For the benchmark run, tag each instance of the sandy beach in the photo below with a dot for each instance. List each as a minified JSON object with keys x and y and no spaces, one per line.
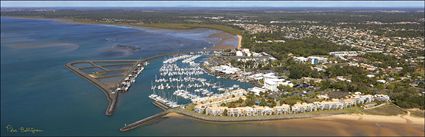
{"x":239,"y":41}
{"x":173,"y":115}
{"x":335,"y":125}
{"x":400,"y":119}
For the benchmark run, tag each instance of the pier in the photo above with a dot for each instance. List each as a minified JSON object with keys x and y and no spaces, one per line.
{"x":143,"y":121}
{"x":148,"y":119}
{"x":160,"y":105}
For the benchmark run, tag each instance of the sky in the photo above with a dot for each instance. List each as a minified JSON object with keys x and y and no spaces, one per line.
{"x":366,"y":4}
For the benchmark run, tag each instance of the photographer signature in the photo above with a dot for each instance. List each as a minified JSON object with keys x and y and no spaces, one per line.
{"x":21,"y":129}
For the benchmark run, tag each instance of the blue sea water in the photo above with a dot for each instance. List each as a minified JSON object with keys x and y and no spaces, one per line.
{"x":38,"y":91}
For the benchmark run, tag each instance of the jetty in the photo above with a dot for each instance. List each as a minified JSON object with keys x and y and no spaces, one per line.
{"x":143,"y":121}
{"x":161,"y":105}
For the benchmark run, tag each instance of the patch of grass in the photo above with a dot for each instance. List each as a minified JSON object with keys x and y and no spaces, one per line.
{"x":97,"y":74}
{"x":349,"y":110}
{"x":190,"y":107}
{"x":388,"y":109}
{"x":355,"y":109}
{"x":417,"y":113}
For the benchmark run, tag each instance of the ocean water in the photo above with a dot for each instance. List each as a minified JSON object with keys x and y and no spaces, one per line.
{"x":37,"y":91}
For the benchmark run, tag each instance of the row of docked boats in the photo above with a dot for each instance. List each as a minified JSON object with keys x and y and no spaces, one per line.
{"x":174,"y":70}
{"x":185,"y":94}
{"x":175,"y":59}
{"x":192,"y":59}
{"x":168,"y":81}
{"x":192,"y":95}
{"x":130,"y":78}
{"x":162,"y":86}
{"x":165,"y":101}
{"x":182,"y":80}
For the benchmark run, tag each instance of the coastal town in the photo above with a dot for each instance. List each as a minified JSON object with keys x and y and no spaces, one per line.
{"x":235,"y":101}
{"x":356,"y":67}
{"x":275,"y":64}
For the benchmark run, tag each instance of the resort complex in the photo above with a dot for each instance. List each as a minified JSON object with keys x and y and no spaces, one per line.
{"x":211,"y":105}
{"x":181,"y":87}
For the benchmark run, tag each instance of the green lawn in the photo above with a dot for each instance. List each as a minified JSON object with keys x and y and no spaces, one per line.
{"x":417,"y":113}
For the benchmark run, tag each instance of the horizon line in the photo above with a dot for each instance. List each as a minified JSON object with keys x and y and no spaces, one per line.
{"x":216,"y":4}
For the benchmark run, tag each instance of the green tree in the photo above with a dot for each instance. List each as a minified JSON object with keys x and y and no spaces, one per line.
{"x":263,"y":102}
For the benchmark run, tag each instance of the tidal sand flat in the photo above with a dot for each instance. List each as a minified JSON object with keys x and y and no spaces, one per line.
{"x":224,"y":40}
{"x":119,"y":50}
{"x":323,"y":126}
{"x":398,"y":119}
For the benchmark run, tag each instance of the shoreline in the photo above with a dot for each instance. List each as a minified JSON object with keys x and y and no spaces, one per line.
{"x":159,"y":26}
{"x":398,"y":119}
{"x":170,"y":26}
{"x":166,"y":26}
{"x":322,"y":116}
{"x":322,"y":126}
{"x":181,"y":113}
{"x":239,"y":41}
{"x":353,"y":113}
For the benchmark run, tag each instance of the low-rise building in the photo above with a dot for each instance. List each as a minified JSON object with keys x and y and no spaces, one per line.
{"x":226,"y":69}
{"x":311,"y":59}
{"x":239,"y":53}
{"x":271,"y":82}
{"x":211,"y":108}
{"x":257,"y":90}
{"x":344,"y":53}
